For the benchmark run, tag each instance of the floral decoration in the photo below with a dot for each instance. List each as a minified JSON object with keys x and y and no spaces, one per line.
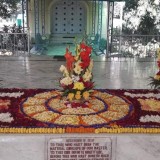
{"x":150,"y":104}
{"x":15,"y":94}
{"x":6,"y":117}
{"x":147,"y":95}
{"x":155,"y":81}
{"x":106,"y":111}
{"x":4,"y":104}
{"x":152,"y":118}
{"x":77,"y":78}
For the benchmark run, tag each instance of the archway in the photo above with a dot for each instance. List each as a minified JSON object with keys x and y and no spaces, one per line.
{"x":68,"y":17}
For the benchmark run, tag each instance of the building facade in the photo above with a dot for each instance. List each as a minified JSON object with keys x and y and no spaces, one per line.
{"x":68,"y":17}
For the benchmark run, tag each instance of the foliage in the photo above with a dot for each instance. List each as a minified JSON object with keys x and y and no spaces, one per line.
{"x":102,"y":44}
{"x":154,"y":83}
{"x":127,"y":30}
{"x":13,"y":39}
{"x":147,"y":24}
{"x":131,"y":5}
{"x":8,"y":7}
{"x":40,"y":44}
{"x":141,"y":17}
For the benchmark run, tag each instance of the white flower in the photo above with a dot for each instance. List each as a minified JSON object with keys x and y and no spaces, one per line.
{"x":6,"y":117}
{"x":64,"y":70}
{"x":147,"y":95}
{"x":14,"y":94}
{"x":87,"y":76}
{"x":90,"y":67}
{"x":78,"y":69}
{"x":152,"y":118}
{"x":69,"y":106}
{"x":75,"y":78}
{"x":66,"y":81}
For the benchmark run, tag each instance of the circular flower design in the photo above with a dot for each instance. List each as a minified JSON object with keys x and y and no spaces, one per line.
{"x":52,"y":108}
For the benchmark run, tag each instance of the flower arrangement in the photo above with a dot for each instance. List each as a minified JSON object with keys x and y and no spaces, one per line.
{"x":77,"y":78}
{"x":155,"y":81}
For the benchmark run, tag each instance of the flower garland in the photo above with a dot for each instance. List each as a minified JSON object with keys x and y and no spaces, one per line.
{"x":77,"y":75}
{"x":79,"y":130}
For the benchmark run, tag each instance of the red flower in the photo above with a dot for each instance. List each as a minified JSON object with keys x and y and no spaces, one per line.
{"x":67,"y":87}
{"x":158,"y":73}
{"x":88,"y":84}
{"x":158,"y":62}
{"x":88,"y":49}
{"x":77,"y":104}
{"x":69,"y":59}
{"x":84,"y":55}
{"x":85,"y":63}
{"x":85,"y":59}
{"x":82,"y":45}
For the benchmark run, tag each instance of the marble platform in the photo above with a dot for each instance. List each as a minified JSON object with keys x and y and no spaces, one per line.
{"x":43,"y":72}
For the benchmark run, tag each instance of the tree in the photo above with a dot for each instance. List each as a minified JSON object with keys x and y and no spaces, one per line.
{"x":147,"y":24}
{"x":8,"y":7}
{"x":142,"y":16}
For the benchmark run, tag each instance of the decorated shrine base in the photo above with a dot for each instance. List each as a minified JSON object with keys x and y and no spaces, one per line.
{"x":107,"y":111}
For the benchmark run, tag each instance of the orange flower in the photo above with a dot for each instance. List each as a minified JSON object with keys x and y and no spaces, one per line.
{"x":69,"y":59}
{"x":86,"y":95}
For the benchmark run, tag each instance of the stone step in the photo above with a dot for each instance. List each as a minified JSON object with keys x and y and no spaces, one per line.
{"x":62,"y":40}
{"x":65,"y":38}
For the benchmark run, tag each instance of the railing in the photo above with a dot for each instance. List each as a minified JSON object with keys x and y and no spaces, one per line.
{"x":134,"y":45}
{"x":14,"y":44}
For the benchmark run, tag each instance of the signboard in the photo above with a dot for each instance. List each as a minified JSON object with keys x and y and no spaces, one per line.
{"x":79,"y":148}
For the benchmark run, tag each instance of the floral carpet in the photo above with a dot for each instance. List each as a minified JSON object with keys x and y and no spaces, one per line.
{"x":107,"y":111}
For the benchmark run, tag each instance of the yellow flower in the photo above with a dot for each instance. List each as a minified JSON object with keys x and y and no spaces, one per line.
{"x":78,"y":85}
{"x":70,"y":96}
{"x":157,"y":77}
{"x":85,"y":95}
{"x":78,"y":95}
{"x":78,"y":92}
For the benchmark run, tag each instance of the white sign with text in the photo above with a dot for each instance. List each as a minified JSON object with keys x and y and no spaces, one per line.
{"x":80,"y":148}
